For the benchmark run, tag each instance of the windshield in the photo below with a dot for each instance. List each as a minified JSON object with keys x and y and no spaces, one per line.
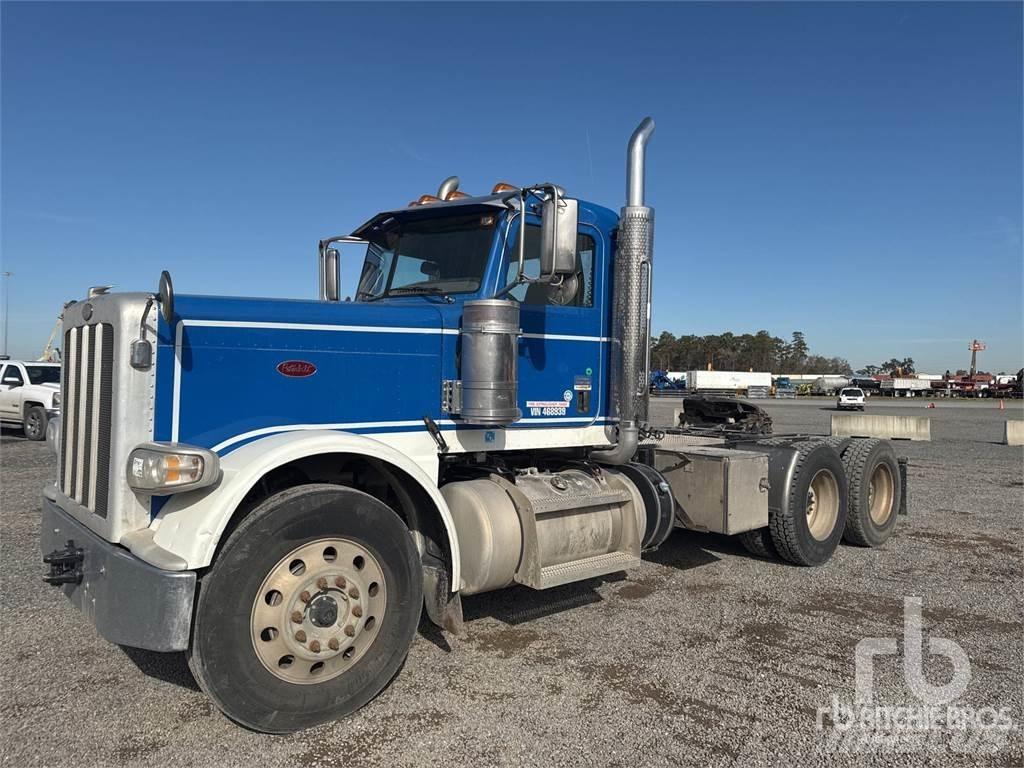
{"x":440,"y":255}
{"x":43,"y":374}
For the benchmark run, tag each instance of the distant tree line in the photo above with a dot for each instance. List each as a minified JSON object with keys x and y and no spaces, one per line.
{"x":891,"y":367}
{"x":728,"y":352}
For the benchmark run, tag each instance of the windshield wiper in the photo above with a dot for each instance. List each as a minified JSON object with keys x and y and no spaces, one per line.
{"x":412,"y":290}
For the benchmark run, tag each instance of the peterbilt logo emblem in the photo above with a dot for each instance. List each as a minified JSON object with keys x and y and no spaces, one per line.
{"x":297,"y":369}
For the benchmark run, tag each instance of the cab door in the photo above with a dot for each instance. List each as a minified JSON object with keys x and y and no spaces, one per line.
{"x":563,"y":350}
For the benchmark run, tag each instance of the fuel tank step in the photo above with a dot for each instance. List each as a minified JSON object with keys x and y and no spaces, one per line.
{"x":587,"y":568}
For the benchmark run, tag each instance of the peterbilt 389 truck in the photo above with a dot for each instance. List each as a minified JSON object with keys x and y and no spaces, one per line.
{"x":281,"y":488}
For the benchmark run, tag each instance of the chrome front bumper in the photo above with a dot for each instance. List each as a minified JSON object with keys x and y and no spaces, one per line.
{"x":130,"y":602}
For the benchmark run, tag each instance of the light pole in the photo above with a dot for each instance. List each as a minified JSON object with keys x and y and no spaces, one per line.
{"x":7,"y":312}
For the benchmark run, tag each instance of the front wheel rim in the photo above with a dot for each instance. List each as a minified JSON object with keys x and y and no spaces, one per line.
{"x":32,"y":424}
{"x":318,"y":611}
{"x":822,"y":504}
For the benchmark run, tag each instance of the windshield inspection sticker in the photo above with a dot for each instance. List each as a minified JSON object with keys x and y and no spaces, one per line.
{"x":547,"y":407}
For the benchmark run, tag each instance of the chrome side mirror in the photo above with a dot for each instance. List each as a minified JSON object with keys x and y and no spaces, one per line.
{"x":332,"y":275}
{"x":559,"y":222}
{"x":330,"y":265}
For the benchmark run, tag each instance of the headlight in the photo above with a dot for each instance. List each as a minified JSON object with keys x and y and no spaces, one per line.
{"x":53,"y":435}
{"x":162,"y":468}
{"x":56,"y":400}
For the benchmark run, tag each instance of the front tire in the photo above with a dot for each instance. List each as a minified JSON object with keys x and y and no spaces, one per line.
{"x":810,"y":527}
{"x":35,"y":423}
{"x":309,"y":609}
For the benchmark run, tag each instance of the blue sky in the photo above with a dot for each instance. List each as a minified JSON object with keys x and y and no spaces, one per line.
{"x":851,"y":170}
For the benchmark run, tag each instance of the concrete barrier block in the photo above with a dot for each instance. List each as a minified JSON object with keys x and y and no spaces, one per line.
{"x":892,"y":427}
{"x":1014,"y":432}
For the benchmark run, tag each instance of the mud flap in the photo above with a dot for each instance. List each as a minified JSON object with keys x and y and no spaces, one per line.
{"x":444,"y":608}
{"x":904,"y":493}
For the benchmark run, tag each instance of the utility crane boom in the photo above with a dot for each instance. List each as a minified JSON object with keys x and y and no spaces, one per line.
{"x":50,"y":353}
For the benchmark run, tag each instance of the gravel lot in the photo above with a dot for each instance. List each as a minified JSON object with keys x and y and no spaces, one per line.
{"x":701,"y":656}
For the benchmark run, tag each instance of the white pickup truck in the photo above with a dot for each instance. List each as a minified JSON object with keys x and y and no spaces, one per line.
{"x":29,"y":395}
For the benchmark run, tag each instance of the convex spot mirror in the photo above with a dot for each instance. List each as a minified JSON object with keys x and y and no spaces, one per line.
{"x":559,"y":221}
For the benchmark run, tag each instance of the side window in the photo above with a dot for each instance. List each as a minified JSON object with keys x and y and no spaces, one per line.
{"x":12,"y":375}
{"x":376,"y":268}
{"x":581,"y":293}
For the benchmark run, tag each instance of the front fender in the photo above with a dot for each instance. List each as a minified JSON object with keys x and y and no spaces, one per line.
{"x":32,"y":394}
{"x":190,"y":524}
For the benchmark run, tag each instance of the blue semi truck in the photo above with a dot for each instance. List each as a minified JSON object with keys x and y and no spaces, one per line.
{"x":280,"y":489}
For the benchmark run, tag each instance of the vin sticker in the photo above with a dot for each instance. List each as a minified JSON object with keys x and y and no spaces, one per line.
{"x":546,"y":407}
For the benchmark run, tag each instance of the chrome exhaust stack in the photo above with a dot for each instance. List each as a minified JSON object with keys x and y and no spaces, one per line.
{"x":631,"y":316}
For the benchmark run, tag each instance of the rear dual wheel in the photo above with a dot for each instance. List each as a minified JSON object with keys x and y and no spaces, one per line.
{"x":309,"y":610}
{"x":807,"y":530}
{"x":875,"y":491}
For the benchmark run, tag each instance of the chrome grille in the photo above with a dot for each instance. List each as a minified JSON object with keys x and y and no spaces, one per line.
{"x":87,"y":402}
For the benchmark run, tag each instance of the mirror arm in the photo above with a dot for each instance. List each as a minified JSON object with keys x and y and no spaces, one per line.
{"x":553,"y":277}
{"x":322,"y":248}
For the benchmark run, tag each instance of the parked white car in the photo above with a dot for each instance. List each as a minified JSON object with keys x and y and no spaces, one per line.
{"x":850,"y":397}
{"x":29,"y":395}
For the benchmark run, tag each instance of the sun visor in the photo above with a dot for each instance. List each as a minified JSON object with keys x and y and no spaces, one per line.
{"x":491,"y":203}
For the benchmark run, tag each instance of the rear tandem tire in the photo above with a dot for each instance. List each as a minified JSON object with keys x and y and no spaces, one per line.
{"x":318,"y":563}
{"x":874,"y":478}
{"x":810,"y":528}
{"x":759,"y":543}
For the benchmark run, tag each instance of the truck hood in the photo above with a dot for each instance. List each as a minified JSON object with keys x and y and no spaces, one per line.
{"x":270,"y":312}
{"x":40,"y":389}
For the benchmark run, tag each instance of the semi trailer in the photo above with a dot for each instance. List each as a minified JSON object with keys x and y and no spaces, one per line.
{"x":246,"y":480}
{"x":728,"y":382}
{"x":905,"y":387}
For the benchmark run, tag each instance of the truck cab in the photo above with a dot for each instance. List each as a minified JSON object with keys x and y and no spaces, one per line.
{"x":279,"y":488}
